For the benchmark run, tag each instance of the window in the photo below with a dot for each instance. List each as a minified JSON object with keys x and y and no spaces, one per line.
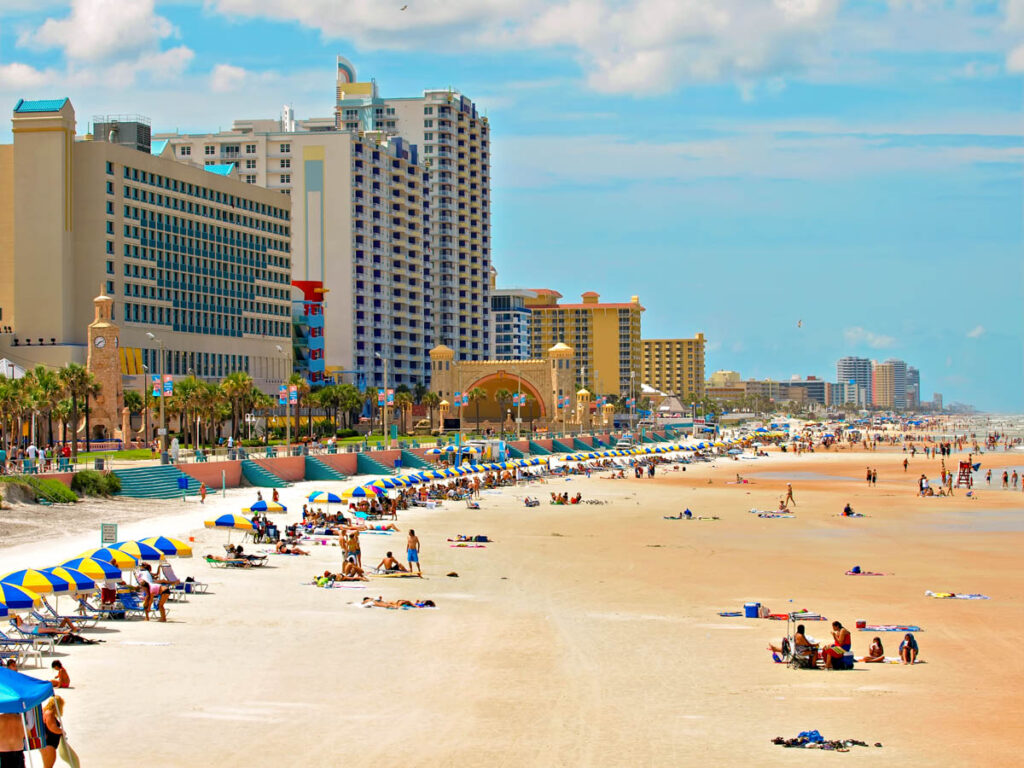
{"x":110,"y":169}
{"x":428,"y":123}
{"x":211,"y":149}
{"x":250,"y":163}
{"x":110,"y":187}
{"x":286,"y":178}
{"x":110,"y":267}
{"x":428,"y":110}
{"x":185,"y":151}
{"x":250,"y":149}
{"x":249,"y":179}
{"x":110,"y":247}
{"x":286,"y":148}
{"x":110,"y":287}
{"x":351,"y":126}
{"x":286,"y":163}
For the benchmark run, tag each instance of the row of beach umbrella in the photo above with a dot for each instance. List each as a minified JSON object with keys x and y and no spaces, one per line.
{"x":23,"y":590}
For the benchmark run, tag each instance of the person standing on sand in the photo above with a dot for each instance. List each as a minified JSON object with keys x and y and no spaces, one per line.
{"x":905,"y":464}
{"x":202,"y":493}
{"x":867,"y":475}
{"x":412,"y":551}
{"x":874,"y":477}
{"x":789,"y":495}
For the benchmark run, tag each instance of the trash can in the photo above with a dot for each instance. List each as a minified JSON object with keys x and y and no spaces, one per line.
{"x":165,"y":457}
{"x":182,"y":483}
{"x":98,"y":465}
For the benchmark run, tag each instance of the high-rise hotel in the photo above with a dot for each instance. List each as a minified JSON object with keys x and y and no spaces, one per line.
{"x":391,"y":219}
{"x":197,"y":263}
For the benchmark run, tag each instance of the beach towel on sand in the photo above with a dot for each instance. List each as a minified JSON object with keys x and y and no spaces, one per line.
{"x":955,"y":595}
{"x":730,"y":614}
{"x":864,"y":573}
{"x":890,"y":628}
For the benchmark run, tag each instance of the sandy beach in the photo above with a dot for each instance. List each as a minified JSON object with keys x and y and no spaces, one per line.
{"x":583,"y":635}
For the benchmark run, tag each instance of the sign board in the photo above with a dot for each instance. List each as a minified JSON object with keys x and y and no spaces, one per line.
{"x":699,"y":422}
{"x":282,"y":395}
{"x":108,"y":533}
{"x":168,"y":385}
{"x":162,"y":431}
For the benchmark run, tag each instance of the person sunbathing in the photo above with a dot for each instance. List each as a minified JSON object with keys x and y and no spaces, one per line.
{"x":283,"y":549}
{"x":62,"y":635}
{"x":390,"y":565}
{"x":876,"y":654}
{"x":380,"y":602}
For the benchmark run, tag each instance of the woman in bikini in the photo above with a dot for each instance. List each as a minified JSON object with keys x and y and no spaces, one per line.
{"x":876,"y":654}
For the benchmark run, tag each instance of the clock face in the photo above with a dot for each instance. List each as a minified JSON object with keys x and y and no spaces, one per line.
{"x":100,"y":342}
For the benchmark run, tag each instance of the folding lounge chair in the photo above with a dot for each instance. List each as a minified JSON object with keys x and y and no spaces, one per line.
{"x":28,"y":641}
{"x":132,"y":604}
{"x":224,"y":562}
{"x":85,"y":621}
{"x":22,"y":650}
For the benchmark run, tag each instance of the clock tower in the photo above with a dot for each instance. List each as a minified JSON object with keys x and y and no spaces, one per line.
{"x":104,"y":363}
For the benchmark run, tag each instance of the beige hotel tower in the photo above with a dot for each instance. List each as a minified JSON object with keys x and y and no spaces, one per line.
{"x":191,"y":259}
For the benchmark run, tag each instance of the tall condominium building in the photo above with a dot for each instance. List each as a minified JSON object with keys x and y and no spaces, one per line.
{"x":675,"y":366}
{"x":456,"y":150}
{"x":913,"y":387}
{"x":196,"y":262}
{"x":723,"y":378}
{"x":883,"y":385}
{"x":605,"y":338}
{"x":899,"y":383}
{"x":360,"y":236}
{"x":855,"y":369}
{"x":818,"y":390}
{"x":510,"y":320}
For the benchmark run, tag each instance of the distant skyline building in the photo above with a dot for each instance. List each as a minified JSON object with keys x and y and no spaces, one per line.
{"x":913,"y":387}
{"x":817,"y":390}
{"x":883,"y":385}
{"x":855,"y":369}
{"x":675,"y":366}
{"x":899,"y":383}
{"x":189,"y":255}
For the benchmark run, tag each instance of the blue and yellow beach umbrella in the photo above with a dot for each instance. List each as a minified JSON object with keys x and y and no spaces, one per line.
{"x":122,"y":560}
{"x":266,"y":506}
{"x":363,"y":492}
{"x":18,"y":598}
{"x":230,"y":521}
{"x":140,"y":551}
{"x":39,"y":582}
{"x":100,"y":570}
{"x":170,"y":547}
{"x":78,"y":581}
{"x":323,"y":497}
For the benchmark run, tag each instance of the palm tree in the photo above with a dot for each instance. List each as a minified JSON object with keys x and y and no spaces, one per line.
{"x":63,"y":413}
{"x":476,"y":396}
{"x":237,"y":388}
{"x":432,"y":400}
{"x":530,"y":404}
{"x":48,"y":394}
{"x":134,"y":403}
{"x":187,"y":399}
{"x":403,"y":401}
{"x":302,"y":390}
{"x":75,"y":380}
{"x":370,"y":398}
{"x":503,"y":397}
{"x":350,"y":401}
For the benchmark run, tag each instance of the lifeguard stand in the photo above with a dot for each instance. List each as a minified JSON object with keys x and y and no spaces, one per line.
{"x":965,"y":479}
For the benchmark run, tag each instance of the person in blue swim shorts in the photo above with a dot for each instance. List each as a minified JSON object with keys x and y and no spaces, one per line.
{"x":412,"y":551}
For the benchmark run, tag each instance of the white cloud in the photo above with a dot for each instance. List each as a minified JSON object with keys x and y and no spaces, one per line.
{"x":976,"y":332}
{"x":857,"y":336}
{"x":650,"y":46}
{"x":103,"y":30}
{"x":18,"y":76}
{"x":226,"y":78}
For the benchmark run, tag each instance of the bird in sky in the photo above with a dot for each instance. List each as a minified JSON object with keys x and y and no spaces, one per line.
{"x":403,"y":7}
{"x":799,"y":323}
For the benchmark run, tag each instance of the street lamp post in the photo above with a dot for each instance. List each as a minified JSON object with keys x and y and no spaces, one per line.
{"x":519,"y":401}
{"x":163,"y":417}
{"x":384,"y":414}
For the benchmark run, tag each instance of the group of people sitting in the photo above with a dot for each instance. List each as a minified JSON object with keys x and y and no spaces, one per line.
{"x":564,"y":498}
{"x":829,"y":655}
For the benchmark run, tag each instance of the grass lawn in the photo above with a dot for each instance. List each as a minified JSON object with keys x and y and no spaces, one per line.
{"x":133,"y":454}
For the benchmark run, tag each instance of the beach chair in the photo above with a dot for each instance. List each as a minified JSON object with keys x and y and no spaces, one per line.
{"x":28,"y":639}
{"x":470,"y":504}
{"x":226,"y":562}
{"x":132,"y":604}
{"x":83,"y":620}
{"x":803,"y":657}
{"x":21,"y":649}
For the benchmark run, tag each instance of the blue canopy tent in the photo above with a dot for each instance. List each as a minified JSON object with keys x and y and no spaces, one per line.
{"x":19,"y":693}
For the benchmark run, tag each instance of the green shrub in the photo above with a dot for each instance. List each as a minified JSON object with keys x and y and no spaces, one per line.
{"x":89,"y":482}
{"x":343,"y":433}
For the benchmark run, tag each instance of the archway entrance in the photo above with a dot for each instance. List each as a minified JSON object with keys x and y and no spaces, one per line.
{"x":500,"y":387}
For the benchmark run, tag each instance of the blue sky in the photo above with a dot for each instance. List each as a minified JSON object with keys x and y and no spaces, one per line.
{"x":742,"y":165}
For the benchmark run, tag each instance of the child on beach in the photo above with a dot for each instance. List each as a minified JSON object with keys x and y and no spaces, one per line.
{"x":61,"y":678}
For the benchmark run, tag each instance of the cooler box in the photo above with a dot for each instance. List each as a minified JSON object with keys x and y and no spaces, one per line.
{"x":750,"y":610}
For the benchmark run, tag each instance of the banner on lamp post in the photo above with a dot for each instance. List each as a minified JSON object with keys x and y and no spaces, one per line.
{"x":168,"y":385}
{"x":282,"y":395}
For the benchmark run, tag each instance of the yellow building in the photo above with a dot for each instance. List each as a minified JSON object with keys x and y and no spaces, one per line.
{"x":195,"y":262}
{"x":883,"y":385}
{"x":605,"y":338}
{"x":675,"y":366}
{"x":724,"y":379}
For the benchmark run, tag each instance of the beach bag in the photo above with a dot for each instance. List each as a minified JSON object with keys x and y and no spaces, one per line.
{"x":67,"y":754}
